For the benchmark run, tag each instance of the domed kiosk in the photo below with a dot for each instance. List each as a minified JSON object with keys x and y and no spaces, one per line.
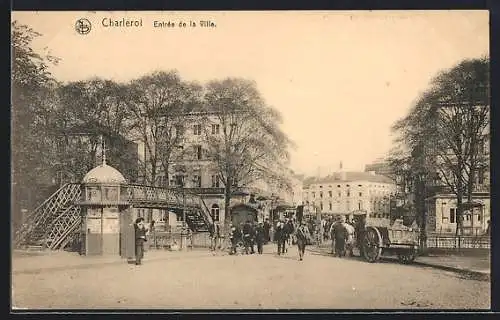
{"x":106,"y":214}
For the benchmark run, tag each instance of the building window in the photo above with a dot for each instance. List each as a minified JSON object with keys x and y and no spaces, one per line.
{"x":197,"y":129}
{"x":330,"y":206}
{"x":314,"y":194}
{"x":197,"y":181}
{"x":361,"y":194}
{"x":321,"y":194}
{"x":321,"y":186}
{"x":452,"y":215}
{"x":179,"y":217}
{"x":214,"y":212}
{"x":330,"y":194}
{"x":215,"y":181}
{"x":215,"y":128}
{"x":338,"y":186}
{"x":340,"y":194}
{"x":321,"y":206}
{"x":359,"y":206}
{"x":348,"y":193}
{"x":179,"y":181}
{"x":197,"y":151}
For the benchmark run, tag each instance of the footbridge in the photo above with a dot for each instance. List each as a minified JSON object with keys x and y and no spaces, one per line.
{"x":56,"y":222}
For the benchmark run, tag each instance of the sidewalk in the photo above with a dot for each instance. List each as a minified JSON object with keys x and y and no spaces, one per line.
{"x":477,"y":267}
{"x":60,"y":260}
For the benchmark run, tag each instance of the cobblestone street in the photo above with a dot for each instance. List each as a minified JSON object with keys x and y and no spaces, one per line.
{"x":261,"y":282}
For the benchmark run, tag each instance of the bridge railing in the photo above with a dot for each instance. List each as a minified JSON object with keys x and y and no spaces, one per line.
{"x":137,"y":192}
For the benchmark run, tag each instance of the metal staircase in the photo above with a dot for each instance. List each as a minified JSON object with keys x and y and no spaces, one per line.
{"x":48,"y":225}
{"x":56,"y":222}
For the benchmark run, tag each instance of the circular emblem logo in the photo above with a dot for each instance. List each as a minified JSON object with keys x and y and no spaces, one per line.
{"x":83,"y":26}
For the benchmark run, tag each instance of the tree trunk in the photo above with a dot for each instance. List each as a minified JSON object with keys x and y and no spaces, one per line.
{"x":459,"y":218}
{"x":227,"y":200}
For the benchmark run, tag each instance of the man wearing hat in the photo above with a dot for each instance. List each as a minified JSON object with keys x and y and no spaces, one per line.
{"x":260,"y":237}
{"x":140,"y":238}
{"x":339,"y":236}
{"x":302,"y":235}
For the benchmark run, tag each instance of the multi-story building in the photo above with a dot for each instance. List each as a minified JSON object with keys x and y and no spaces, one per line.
{"x":441,"y":206}
{"x":344,"y":193}
{"x":380,"y":167}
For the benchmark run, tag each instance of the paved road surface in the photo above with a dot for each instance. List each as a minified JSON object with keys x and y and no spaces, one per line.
{"x":266,"y":281}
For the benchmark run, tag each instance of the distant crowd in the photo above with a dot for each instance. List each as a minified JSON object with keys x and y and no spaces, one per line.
{"x":250,"y":237}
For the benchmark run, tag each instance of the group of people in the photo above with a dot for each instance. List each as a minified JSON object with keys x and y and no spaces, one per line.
{"x":251,"y":235}
{"x":284,"y":232}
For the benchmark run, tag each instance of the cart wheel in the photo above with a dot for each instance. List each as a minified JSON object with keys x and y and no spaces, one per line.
{"x":406,"y":258}
{"x":372,"y":244}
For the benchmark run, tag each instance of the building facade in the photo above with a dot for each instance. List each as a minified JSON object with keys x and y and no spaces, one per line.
{"x":441,"y":207}
{"x":344,"y":193}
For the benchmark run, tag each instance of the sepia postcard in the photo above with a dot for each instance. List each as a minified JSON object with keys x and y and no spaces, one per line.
{"x":263,"y":160}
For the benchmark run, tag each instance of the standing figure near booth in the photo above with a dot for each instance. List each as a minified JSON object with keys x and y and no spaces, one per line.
{"x":140,"y":238}
{"x":248,"y":237}
{"x":260,"y":237}
{"x":267,"y":231}
{"x":234,"y":237}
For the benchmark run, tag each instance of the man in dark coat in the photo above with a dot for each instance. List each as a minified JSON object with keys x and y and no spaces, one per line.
{"x":303,"y":236}
{"x":339,"y":236}
{"x":267,"y":231}
{"x":140,"y":238}
{"x":260,"y":237}
{"x":280,"y":236}
{"x":359,"y":228}
{"x":234,"y":236}
{"x":289,"y":229}
{"x":248,"y":237}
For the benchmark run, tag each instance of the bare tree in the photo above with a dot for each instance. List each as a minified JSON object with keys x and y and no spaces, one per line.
{"x":157,"y":103}
{"x":88,"y":110}
{"x":250,"y":147}
{"x":445,"y":125}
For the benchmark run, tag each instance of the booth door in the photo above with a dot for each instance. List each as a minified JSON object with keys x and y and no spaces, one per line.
{"x":93,"y":241}
{"x":110,"y":231}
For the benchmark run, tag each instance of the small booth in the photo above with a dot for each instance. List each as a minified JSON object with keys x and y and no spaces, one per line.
{"x":241,"y":213}
{"x":107,"y":226}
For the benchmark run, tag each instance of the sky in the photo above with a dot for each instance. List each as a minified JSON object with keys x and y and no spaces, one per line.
{"x":340,"y":79}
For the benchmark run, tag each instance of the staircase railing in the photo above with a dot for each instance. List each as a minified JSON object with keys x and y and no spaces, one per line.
{"x":59,"y":228}
{"x":73,"y":223}
{"x":68,"y":193}
{"x":206,"y":213}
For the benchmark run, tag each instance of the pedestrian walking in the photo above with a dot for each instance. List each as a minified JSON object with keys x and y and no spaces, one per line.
{"x":260,"y":237}
{"x":234,"y":237}
{"x":267,"y":231}
{"x":214,"y":236}
{"x":303,"y":236}
{"x":140,"y":238}
{"x":280,"y":237}
{"x":247,"y":237}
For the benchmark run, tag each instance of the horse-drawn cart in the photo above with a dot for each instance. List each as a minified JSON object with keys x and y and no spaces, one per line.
{"x":380,"y":237}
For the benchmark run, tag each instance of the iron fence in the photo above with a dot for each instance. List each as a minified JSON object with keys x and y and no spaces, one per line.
{"x":464,"y":242}
{"x":169,"y":239}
